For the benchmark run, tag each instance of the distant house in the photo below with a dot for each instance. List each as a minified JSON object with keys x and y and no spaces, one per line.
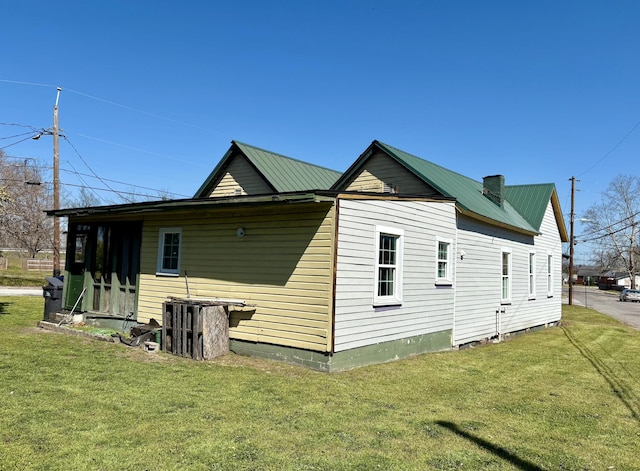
{"x":587,"y":275}
{"x":395,"y":257}
{"x":617,"y":280}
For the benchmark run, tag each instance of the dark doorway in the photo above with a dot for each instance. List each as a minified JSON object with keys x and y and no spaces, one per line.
{"x":103,"y":259}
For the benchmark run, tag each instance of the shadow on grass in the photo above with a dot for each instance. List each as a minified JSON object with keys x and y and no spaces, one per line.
{"x":4,"y":308}
{"x":618,"y":386}
{"x":490,"y":447}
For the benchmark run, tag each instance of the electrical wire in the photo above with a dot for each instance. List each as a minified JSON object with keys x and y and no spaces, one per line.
{"x":130,"y":108}
{"x":33,"y":128}
{"x":119,"y":193}
{"x":17,"y":142}
{"x":90,"y":169}
{"x":18,"y":135}
{"x":81,"y":180}
{"x":608,"y":230}
{"x":613,"y":148}
{"x":113,"y":103}
{"x":45,"y":183}
{"x":27,"y":83}
{"x":75,"y":172}
{"x":137,"y":149}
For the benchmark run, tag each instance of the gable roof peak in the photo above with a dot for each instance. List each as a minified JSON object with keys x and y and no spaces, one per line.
{"x":467,"y":192}
{"x":280,"y":173}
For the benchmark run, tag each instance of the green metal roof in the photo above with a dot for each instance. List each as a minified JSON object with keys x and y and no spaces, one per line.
{"x":282,"y":173}
{"x":531,"y":201}
{"x":467,"y":192}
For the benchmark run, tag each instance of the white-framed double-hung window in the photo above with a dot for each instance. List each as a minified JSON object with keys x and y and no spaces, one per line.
{"x":532,"y":275}
{"x":169,"y":245}
{"x":505,"y":296}
{"x":443,"y":262}
{"x":388,"y":266}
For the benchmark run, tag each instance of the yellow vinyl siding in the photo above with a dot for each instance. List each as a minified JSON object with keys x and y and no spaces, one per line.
{"x":381,"y":169}
{"x":283,"y":265}
{"x":240,"y":175}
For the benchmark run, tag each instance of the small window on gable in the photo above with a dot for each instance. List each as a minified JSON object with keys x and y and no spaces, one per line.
{"x":505,"y":297}
{"x":238,"y":191}
{"x":388,"y":266}
{"x":169,"y":244}
{"x":443,"y":262}
{"x":389,"y":188}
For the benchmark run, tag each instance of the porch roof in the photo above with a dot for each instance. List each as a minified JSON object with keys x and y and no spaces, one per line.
{"x":197,"y":203}
{"x":317,"y":196}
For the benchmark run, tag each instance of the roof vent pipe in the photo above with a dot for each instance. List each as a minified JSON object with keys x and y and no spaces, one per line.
{"x":493,"y":188}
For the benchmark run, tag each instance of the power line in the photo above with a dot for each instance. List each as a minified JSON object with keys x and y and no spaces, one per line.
{"x":137,"y":110}
{"x":33,"y":128}
{"x":608,"y":230}
{"x":81,"y":179}
{"x":87,"y":165}
{"x":27,"y":83}
{"x":18,"y":135}
{"x":119,"y":193}
{"x":613,"y":148}
{"x":17,"y":142}
{"x":75,"y":172}
{"x":137,"y":149}
{"x":46,"y":183}
{"x":113,"y":103}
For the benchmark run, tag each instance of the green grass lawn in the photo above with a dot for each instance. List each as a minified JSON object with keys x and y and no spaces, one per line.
{"x":565,"y":398}
{"x":19,"y":277}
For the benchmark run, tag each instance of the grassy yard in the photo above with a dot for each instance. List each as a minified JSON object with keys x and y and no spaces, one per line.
{"x":563,"y":398}
{"x":15,"y":276}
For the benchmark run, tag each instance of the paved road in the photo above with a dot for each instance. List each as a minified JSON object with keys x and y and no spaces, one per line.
{"x":607,"y":302}
{"x":11,"y":291}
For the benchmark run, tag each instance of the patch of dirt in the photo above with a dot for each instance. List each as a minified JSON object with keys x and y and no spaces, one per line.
{"x":38,"y":330}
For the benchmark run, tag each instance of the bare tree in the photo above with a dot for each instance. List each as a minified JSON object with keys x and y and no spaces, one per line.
{"x":82,"y":199}
{"x":25,"y":199}
{"x":613,"y":225}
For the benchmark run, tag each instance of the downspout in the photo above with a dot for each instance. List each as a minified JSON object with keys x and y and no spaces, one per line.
{"x":334,"y":274}
{"x":455,"y":280}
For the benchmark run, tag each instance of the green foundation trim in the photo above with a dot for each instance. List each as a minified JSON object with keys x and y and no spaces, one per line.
{"x":348,"y":359}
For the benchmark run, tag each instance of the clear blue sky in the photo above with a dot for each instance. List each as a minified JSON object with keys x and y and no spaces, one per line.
{"x":153,"y":92}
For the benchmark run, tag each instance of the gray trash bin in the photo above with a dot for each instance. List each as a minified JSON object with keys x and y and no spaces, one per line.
{"x":52,"y":294}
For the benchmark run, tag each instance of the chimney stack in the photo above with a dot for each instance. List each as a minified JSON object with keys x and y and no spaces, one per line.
{"x":493,"y":188}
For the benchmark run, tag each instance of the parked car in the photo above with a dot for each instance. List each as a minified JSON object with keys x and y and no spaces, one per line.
{"x":630,"y":295}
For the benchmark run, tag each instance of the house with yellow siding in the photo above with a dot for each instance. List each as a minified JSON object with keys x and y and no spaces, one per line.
{"x":394,"y":257}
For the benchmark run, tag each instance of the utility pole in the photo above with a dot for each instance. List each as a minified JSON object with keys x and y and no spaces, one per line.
{"x":56,"y":189}
{"x":571,"y":241}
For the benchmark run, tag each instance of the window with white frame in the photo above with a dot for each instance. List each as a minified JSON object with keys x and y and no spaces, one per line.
{"x":549,"y":275}
{"x":169,"y":242}
{"x":532,"y":275}
{"x":443,"y":262}
{"x":388,"y":266}
{"x":506,"y":276}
